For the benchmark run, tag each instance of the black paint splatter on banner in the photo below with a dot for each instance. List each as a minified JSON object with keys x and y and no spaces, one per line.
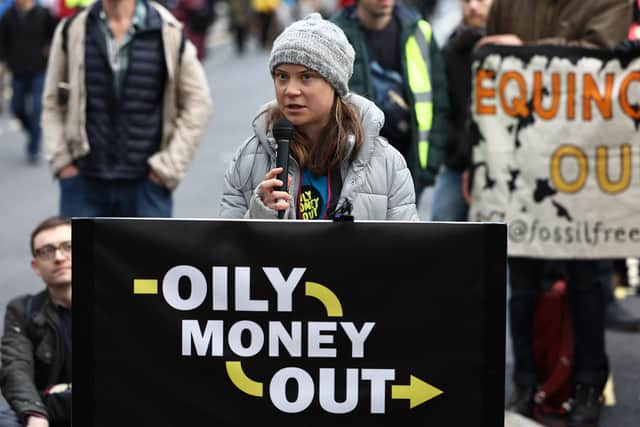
{"x":561,"y":211}
{"x":512,"y":182}
{"x":543,"y":190}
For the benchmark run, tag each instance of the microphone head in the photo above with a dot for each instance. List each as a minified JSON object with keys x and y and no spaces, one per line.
{"x":282,"y":129}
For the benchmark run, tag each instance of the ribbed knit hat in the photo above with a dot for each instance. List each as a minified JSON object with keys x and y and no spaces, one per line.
{"x":320,"y":46}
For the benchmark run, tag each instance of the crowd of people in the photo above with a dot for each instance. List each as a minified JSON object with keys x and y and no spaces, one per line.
{"x":115,"y":93}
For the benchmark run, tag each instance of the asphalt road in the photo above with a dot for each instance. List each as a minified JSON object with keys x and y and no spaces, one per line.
{"x":239,"y":85}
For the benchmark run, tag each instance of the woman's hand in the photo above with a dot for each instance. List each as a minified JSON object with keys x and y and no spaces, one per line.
{"x":272,"y":198}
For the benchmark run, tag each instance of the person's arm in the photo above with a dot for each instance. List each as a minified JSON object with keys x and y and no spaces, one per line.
{"x":52,"y":23}
{"x":401,"y":195}
{"x":457,"y":141}
{"x":496,"y":33}
{"x":4,"y":37}
{"x":608,"y":26}
{"x":241,"y":198}
{"x":52,"y":120}
{"x":438,"y":133}
{"x":237,"y":186}
{"x":17,"y":373}
{"x":193,"y":111}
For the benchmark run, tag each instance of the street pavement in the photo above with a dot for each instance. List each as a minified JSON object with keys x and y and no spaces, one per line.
{"x":239,"y":85}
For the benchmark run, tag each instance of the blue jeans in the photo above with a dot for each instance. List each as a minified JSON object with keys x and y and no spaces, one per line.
{"x":448,"y":203}
{"x":83,"y":196}
{"x":26,"y":105}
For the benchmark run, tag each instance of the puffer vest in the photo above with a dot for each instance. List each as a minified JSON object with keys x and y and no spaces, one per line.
{"x":123,"y":131}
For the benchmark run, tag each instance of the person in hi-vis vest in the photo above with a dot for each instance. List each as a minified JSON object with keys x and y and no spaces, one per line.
{"x":399,"y":66}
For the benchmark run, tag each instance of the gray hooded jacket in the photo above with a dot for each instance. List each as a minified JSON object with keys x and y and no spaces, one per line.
{"x":378,"y":182}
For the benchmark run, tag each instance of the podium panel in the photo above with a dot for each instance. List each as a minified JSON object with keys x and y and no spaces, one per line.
{"x":242,"y":323}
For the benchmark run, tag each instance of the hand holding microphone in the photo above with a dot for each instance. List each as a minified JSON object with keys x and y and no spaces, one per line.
{"x":270,"y":192}
{"x":276,"y":182}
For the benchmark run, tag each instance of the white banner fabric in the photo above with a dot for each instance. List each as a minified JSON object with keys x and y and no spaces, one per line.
{"x":558,"y":150}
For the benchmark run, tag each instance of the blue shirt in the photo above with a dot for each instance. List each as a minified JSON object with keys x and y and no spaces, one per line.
{"x":314,"y":196}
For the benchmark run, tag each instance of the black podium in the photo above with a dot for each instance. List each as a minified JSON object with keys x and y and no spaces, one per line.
{"x":241,"y":323}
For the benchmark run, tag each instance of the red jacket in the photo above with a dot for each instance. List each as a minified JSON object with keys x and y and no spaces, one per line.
{"x":182,"y":11}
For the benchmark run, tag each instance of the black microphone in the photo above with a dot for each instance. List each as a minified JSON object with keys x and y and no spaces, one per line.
{"x":283,"y":133}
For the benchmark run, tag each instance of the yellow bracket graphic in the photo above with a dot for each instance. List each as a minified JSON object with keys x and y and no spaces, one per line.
{"x":325,"y":296}
{"x":609,"y":392}
{"x":145,"y":286}
{"x":417,"y":392}
{"x":242,"y":381}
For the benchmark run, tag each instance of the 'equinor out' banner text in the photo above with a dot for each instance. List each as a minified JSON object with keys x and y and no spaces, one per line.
{"x":558,"y":156}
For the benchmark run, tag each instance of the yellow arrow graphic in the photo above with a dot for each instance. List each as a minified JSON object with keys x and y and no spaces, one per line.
{"x":242,"y":381}
{"x":325,"y":296}
{"x":417,"y":392}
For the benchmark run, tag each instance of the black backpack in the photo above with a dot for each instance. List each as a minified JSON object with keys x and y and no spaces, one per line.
{"x":201,"y":19}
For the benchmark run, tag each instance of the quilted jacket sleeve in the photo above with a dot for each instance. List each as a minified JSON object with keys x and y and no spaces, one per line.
{"x":401,"y":191}
{"x":17,"y":373}
{"x":245,"y":171}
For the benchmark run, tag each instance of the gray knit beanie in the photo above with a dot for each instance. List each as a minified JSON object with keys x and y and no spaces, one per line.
{"x":320,"y":46}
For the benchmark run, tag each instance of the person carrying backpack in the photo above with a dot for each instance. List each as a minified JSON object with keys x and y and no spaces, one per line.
{"x":26,"y":30}
{"x":196,"y":16}
{"x":125,"y":105}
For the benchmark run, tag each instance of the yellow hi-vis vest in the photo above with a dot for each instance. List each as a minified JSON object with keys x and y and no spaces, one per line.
{"x":72,"y":4}
{"x":418,"y":67}
{"x":265,"y":6}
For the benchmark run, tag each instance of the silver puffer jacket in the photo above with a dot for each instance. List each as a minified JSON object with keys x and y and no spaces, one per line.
{"x":377,"y":183}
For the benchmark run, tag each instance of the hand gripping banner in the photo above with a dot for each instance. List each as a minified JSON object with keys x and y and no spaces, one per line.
{"x":558,"y":152}
{"x":243,"y":323}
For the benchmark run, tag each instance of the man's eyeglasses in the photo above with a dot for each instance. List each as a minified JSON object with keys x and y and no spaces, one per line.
{"x":48,"y":252}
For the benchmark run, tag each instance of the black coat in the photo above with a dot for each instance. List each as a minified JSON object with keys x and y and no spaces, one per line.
{"x":25,"y":39}
{"x":458,"y":61}
{"x":32,"y":352}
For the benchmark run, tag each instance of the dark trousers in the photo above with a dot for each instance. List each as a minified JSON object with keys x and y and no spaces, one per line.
{"x":83,"y":196}
{"x":585,"y":279}
{"x":240,"y":32}
{"x":265,"y":19}
{"x":26,"y":105}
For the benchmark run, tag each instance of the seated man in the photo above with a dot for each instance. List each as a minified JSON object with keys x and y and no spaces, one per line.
{"x":35,"y":377}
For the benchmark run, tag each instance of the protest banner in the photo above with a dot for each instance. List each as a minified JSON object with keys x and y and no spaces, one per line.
{"x":558,"y":149}
{"x":243,"y":323}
